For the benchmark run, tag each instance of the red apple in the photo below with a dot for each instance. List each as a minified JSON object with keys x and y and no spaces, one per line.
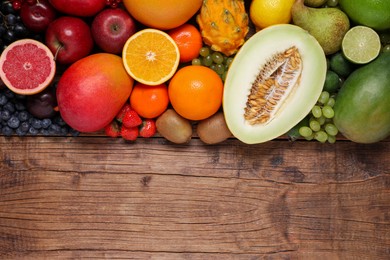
{"x":111,"y":28}
{"x":83,"y":8}
{"x":69,"y":38}
{"x":37,"y":17}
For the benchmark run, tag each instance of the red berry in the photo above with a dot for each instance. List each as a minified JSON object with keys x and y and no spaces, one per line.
{"x":112,"y":129}
{"x":148,"y":128}
{"x":131,"y":119}
{"x":129,"y":133}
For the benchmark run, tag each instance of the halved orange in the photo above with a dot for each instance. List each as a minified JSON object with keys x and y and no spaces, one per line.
{"x":151,"y":56}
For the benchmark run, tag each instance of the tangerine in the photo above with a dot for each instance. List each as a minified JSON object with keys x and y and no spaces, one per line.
{"x":163,"y":15}
{"x":189,"y":40}
{"x":149,"y":101}
{"x":195,"y":92}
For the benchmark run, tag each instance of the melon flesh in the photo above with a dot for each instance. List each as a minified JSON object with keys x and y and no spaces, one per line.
{"x":295,"y":104}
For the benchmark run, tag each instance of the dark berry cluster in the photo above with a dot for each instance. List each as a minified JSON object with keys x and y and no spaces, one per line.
{"x":11,"y":26}
{"x":15,"y":118}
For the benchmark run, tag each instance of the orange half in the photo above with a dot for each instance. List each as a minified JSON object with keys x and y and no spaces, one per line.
{"x":151,"y":56}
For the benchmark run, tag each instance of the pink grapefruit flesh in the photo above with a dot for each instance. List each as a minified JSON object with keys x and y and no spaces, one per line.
{"x":27,"y":66}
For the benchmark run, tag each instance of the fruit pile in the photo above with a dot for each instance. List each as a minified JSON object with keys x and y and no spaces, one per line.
{"x":254,"y":70}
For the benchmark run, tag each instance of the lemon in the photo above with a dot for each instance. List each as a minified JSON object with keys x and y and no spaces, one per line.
{"x":264,"y":13}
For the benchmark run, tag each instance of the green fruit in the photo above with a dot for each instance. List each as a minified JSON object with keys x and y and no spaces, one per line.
{"x":374,"y":14}
{"x":273,"y":82}
{"x":340,"y":65}
{"x":332,"y":82}
{"x":363,"y":103}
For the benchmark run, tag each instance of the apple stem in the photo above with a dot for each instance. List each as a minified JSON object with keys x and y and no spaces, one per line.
{"x":58,"y":50}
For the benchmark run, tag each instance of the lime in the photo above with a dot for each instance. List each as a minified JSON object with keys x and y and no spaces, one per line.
{"x":339,"y":64}
{"x":361,"y":44}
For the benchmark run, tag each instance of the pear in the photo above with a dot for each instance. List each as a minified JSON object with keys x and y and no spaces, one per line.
{"x":315,"y":3}
{"x":327,"y":25}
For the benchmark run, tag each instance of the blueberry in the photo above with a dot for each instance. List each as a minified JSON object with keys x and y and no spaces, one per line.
{"x":9,"y":93}
{"x":20,"y":106}
{"x":36,"y":123}
{"x":59,"y":121}
{"x":44,"y":131}
{"x":33,"y":131}
{"x":20,"y":131}
{"x":13,"y":122}
{"x":74,"y":132}
{"x":7,"y":131}
{"x":3,"y":99}
{"x":24,"y":126}
{"x":23,"y":116}
{"x":9,"y":107}
{"x":55,"y":129}
{"x":5,"y":115}
{"x":46,"y":122}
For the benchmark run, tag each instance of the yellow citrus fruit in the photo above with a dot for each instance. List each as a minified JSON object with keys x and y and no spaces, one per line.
{"x":151,"y":56}
{"x":163,"y":15}
{"x":264,"y":13}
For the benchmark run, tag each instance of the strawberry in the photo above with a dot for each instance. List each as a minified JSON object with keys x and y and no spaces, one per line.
{"x":148,"y":128}
{"x":129,"y":133}
{"x":112,"y":129}
{"x":126,"y":107}
{"x":131,"y":119}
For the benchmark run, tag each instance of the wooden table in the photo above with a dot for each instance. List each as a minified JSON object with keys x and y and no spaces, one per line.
{"x":97,"y":197}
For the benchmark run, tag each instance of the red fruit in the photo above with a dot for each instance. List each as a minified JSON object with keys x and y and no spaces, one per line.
{"x":27,"y":66}
{"x":69,"y":38}
{"x":129,"y":133}
{"x":112,"y":129}
{"x":131,"y":119}
{"x":91,"y":91}
{"x":79,"y":7}
{"x":37,"y":17}
{"x":148,"y":128}
{"x":126,"y":107}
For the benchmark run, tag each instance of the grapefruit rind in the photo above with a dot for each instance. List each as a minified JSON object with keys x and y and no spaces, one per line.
{"x":30,"y":90}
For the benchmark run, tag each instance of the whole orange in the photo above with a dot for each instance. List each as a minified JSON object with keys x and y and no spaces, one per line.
{"x":195,"y":92}
{"x":149,"y":101}
{"x":189,"y":41}
{"x":164,"y":15}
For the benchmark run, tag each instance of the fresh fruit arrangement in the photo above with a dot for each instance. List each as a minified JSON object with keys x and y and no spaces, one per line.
{"x":255,"y":70}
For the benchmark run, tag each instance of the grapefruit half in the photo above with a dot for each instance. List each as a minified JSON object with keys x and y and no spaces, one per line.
{"x":27,"y":66}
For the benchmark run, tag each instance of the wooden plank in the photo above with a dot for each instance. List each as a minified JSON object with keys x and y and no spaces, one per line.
{"x":105,"y":198}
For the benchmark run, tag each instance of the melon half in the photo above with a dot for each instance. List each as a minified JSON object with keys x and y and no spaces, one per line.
{"x":273,"y":82}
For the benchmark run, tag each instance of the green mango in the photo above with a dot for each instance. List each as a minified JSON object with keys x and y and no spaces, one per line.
{"x":362,"y":108}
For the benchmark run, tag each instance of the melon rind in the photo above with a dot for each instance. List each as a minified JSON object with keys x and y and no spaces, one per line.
{"x":246,"y":66}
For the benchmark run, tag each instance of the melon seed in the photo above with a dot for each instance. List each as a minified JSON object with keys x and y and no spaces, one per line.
{"x":272,"y":86}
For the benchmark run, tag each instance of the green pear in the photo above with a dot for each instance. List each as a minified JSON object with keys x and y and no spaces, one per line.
{"x":327,"y":25}
{"x":315,"y":3}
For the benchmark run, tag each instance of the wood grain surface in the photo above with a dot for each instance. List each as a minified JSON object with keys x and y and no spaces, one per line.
{"x":103,"y":198}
